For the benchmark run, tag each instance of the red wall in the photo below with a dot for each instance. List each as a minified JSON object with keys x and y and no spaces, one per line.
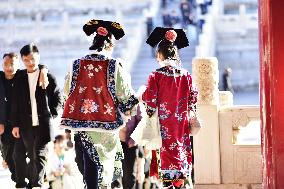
{"x":271,"y":41}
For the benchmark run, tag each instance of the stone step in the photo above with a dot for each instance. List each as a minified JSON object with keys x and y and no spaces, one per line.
{"x":228,"y":186}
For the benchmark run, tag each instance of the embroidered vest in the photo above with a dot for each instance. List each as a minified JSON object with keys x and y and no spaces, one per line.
{"x":92,"y":103}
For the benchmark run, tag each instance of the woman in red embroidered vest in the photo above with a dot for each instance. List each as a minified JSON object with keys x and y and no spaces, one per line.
{"x":170,"y":92}
{"x":99,"y":93}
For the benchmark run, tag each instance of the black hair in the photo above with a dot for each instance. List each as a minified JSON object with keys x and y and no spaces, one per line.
{"x":59,"y":138}
{"x":10,"y":55}
{"x":28,"y":49}
{"x":101,"y":42}
{"x":168,"y":49}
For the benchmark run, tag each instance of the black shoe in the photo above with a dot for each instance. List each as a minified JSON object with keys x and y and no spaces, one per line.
{"x":21,"y":185}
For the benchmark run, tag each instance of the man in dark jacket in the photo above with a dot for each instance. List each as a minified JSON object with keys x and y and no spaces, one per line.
{"x":227,"y":83}
{"x":11,"y":72}
{"x":32,"y":111}
{"x":2,"y":108}
{"x":10,"y":67}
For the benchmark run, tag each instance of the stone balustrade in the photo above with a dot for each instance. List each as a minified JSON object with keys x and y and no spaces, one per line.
{"x":240,"y":160}
{"x":237,"y":24}
{"x":227,"y":152}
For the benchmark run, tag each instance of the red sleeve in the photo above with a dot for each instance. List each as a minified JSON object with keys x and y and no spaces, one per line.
{"x":150,"y":95}
{"x":192,"y":95}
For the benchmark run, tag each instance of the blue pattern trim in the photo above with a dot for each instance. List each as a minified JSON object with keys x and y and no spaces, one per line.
{"x":76,"y":68}
{"x":174,"y":175}
{"x":168,"y":70}
{"x":150,"y":111}
{"x":93,"y":154}
{"x":77,"y":124}
{"x":132,"y":101}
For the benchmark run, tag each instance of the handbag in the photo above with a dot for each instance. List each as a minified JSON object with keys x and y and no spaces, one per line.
{"x":194,"y":123}
{"x":147,"y":133}
{"x":151,"y":134}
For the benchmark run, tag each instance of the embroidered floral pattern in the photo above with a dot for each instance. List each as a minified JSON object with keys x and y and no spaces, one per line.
{"x":91,"y":69}
{"x":90,"y":74}
{"x":98,"y":90}
{"x":82,"y":89}
{"x":71,"y":107}
{"x":165,"y":133}
{"x":172,"y":166}
{"x":179,"y":117}
{"x":99,"y":68}
{"x":172,"y":146}
{"x":183,"y":154}
{"x":164,"y":113}
{"x":108,"y":109}
{"x":89,"y":106}
{"x":163,"y":149}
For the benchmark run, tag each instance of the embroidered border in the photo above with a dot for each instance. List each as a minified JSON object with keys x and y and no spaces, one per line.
{"x":75,"y":69}
{"x":168,"y":71}
{"x":86,"y":141}
{"x":132,"y":101}
{"x":150,"y":111}
{"x":76,"y":124}
{"x":174,"y":175}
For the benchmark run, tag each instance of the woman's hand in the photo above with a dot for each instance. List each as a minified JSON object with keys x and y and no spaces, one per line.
{"x":43,"y":79}
{"x":16,"y":132}
{"x":2,"y":129}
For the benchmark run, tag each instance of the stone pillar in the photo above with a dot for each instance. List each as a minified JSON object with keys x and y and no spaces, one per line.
{"x":271,"y":45}
{"x":65,"y":25}
{"x":220,"y":6}
{"x":242,"y":14}
{"x":37,"y":30}
{"x":206,"y":142}
{"x":11,"y":28}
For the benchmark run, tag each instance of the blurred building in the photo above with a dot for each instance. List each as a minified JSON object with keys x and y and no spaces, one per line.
{"x":56,"y":27}
{"x":237,"y":43}
{"x":230,"y":33}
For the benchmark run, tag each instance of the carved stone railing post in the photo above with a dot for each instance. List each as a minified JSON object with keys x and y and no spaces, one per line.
{"x":206,"y":142}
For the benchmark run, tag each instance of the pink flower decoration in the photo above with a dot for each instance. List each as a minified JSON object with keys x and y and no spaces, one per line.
{"x":171,"y":35}
{"x":102,"y":31}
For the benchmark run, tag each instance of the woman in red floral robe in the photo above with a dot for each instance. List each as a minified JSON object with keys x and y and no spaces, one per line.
{"x":170,"y":92}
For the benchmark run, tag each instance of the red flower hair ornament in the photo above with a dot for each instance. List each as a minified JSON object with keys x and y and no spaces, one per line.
{"x":102,"y":31}
{"x":171,"y":35}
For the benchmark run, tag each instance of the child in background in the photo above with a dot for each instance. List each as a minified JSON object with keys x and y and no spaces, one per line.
{"x":61,"y":166}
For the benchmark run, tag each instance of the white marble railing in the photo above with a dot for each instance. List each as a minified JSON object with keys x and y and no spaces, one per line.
{"x":227,"y":150}
{"x":240,"y":145}
{"x":237,"y":2}
{"x":237,"y":23}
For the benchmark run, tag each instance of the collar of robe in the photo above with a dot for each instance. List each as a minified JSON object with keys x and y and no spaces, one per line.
{"x":170,"y":62}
